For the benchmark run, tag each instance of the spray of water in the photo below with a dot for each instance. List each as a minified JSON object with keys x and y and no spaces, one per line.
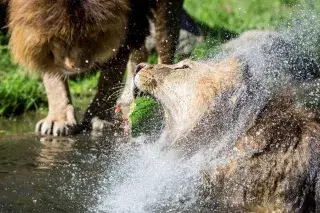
{"x":145,"y":178}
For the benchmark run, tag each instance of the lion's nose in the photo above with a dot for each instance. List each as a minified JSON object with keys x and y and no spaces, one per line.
{"x":140,"y":67}
{"x":69,"y":64}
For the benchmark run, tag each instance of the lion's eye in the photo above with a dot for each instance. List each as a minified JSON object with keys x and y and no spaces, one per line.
{"x":185,"y":66}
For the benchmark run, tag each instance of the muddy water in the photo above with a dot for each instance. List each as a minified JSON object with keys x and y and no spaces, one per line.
{"x":40,"y":174}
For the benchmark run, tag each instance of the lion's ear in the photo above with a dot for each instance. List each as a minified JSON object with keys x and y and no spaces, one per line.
{"x":185,"y":64}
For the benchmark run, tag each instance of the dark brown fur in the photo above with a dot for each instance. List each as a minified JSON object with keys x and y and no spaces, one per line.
{"x":277,"y":167}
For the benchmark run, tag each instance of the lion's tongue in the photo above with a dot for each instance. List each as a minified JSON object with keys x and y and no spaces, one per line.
{"x":125,"y":120}
{"x":117,"y":109}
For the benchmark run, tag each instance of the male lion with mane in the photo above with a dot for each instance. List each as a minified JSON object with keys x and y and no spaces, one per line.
{"x":65,"y":37}
{"x":237,"y":110}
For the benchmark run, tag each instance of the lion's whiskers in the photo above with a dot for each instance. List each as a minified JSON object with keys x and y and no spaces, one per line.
{"x":116,"y":93}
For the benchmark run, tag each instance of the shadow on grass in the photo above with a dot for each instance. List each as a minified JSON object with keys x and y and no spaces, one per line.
{"x":220,"y":34}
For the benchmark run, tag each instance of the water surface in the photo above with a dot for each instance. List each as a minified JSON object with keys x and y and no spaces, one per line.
{"x":46,"y":174}
{"x":90,"y":174}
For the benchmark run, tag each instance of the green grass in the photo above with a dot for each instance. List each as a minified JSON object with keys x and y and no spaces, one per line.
{"x":224,"y":19}
{"x":221,"y":20}
{"x":19,"y":92}
{"x":237,"y":16}
{"x":84,"y":86}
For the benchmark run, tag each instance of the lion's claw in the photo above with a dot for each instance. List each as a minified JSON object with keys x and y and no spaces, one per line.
{"x":55,"y":128}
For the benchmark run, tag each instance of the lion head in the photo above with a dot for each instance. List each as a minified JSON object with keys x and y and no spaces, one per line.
{"x":186,"y":89}
{"x":66,"y":36}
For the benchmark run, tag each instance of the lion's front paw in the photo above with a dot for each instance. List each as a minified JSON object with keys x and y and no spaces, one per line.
{"x":51,"y":127}
{"x":57,"y":126}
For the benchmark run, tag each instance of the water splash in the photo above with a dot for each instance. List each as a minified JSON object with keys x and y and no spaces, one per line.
{"x":144,"y":178}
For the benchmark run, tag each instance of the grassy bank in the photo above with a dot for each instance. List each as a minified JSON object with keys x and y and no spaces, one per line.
{"x":224,"y":19}
{"x":20,"y":92}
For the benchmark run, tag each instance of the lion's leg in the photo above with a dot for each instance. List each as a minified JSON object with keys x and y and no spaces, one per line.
{"x":101,"y":109}
{"x":167,"y":25}
{"x":127,"y":96}
{"x":61,"y":111}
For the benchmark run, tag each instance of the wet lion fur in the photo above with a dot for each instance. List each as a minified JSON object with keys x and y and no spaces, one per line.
{"x":239,"y":112}
{"x":35,"y":24}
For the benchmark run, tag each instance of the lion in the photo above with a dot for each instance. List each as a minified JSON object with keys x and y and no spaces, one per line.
{"x":66,"y":37}
{"x":238,"y":109}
